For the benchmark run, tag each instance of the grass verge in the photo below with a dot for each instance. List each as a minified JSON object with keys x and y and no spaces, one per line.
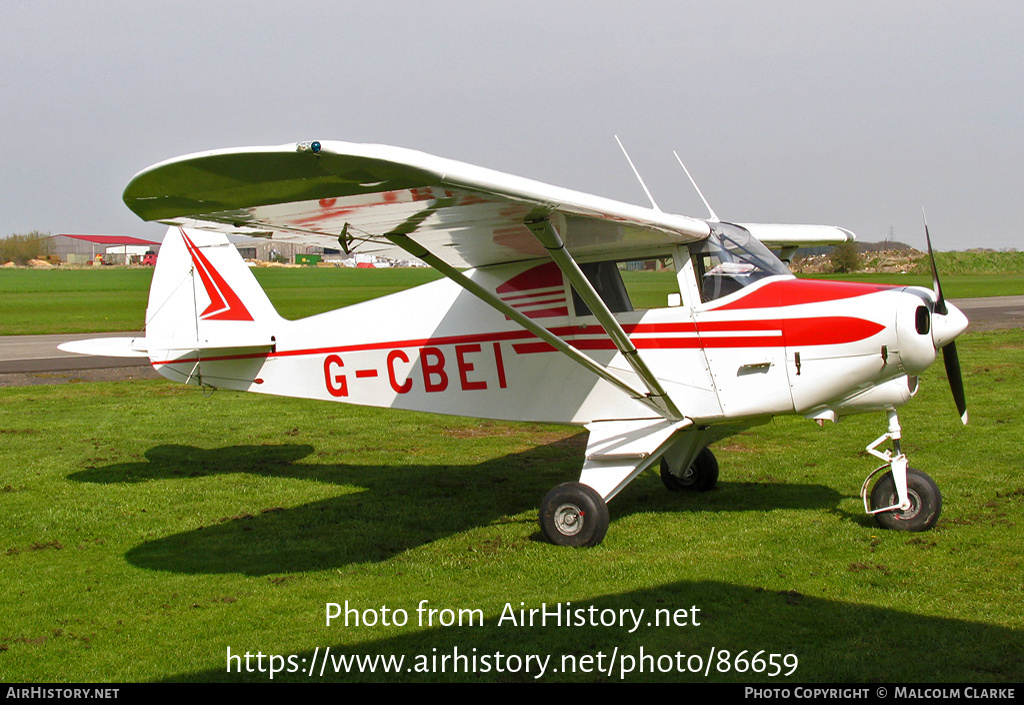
{"x":146,"y":530}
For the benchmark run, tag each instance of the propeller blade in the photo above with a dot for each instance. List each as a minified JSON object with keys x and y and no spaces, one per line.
{"x":949,"y":355}
{"x":940,"y":301}
{"x":956,"y":380}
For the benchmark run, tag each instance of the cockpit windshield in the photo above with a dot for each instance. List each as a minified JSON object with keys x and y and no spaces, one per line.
{"x":730,"y":259}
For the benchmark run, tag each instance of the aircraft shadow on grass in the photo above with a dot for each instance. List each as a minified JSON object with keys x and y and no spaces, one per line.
{"x":865,"y":644}
{"x":396,"y":508}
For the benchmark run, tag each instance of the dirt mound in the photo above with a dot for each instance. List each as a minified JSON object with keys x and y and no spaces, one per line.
{"x":878,"y":261}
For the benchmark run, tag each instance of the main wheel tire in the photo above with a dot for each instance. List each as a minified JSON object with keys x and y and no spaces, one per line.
{"x":925,"y":502}
{"x":573,"y":514}
{"x":701,"y":476}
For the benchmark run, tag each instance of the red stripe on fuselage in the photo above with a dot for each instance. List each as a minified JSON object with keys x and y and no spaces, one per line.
{"x":805,"y":332}
{"x":792,"y":292}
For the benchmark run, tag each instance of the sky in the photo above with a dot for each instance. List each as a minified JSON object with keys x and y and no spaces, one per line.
{"x":851,"y":114}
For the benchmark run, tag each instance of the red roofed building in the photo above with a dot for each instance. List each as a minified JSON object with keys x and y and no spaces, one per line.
{"x":84,"y":248}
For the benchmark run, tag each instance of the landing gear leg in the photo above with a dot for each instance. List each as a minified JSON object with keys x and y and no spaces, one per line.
{"x":903,"y":499}
{"x":576,"y":513}
{"x":701,"y":476}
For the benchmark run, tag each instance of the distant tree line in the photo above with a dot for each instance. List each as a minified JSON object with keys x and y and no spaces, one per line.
{"x":21,"y":248}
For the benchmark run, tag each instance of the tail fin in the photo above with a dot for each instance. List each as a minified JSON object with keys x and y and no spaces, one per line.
{"x":204,"y":302}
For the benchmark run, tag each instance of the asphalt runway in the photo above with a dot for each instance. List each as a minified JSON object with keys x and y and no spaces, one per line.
{"x":35,"y":359}
{"x":992,"y":312}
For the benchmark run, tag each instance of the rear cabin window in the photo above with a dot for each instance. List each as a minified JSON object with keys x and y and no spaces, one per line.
{"x":630,"y":285}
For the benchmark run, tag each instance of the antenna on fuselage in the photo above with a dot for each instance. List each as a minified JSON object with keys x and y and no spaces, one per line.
{"x":638,"y":178}
{"x":714,"y":217}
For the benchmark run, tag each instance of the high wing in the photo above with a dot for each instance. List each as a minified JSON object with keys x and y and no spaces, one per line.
{"x":352,"y":195}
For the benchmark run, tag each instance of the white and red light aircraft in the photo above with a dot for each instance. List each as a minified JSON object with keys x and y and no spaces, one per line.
{"x":532,"y":321}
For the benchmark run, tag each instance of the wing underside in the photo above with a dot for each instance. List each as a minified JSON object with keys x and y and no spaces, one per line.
{"x":351,"y":196}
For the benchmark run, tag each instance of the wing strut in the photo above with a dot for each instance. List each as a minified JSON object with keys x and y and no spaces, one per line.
{"x":417,"y":250}
{"x":545,"y":232}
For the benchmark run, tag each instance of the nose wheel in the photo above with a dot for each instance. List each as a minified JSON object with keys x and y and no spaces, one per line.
{"x":925,"y":502}
{"x":904,"y":498}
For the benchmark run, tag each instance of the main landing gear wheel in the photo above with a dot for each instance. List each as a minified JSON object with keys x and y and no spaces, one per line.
{"x":701,"y":476}
{"x":573,"y":514}
{"x":925,"y":502}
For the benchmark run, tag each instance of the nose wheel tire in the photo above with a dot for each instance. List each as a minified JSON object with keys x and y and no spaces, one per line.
{"x":573,"y":514}
{"x":925,"y":502}
{"x":701,"y":476}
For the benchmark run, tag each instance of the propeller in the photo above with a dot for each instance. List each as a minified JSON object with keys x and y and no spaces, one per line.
{"x":939,"y":328}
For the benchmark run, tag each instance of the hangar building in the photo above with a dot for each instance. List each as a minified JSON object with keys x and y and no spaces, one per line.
{"x":79,"y":249}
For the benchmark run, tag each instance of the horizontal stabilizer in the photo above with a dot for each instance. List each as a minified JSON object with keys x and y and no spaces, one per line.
{"x":107,"y":347}
{"x":265,"y":342}
{"x":140,"y":347}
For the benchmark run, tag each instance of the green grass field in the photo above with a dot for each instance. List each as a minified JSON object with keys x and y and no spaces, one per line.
{"x":104,"y":299}
{"x":147,"y":529}
{"x":114,"y":298}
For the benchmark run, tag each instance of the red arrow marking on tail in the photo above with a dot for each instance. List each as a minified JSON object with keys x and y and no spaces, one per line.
{"x":224,"y":302}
